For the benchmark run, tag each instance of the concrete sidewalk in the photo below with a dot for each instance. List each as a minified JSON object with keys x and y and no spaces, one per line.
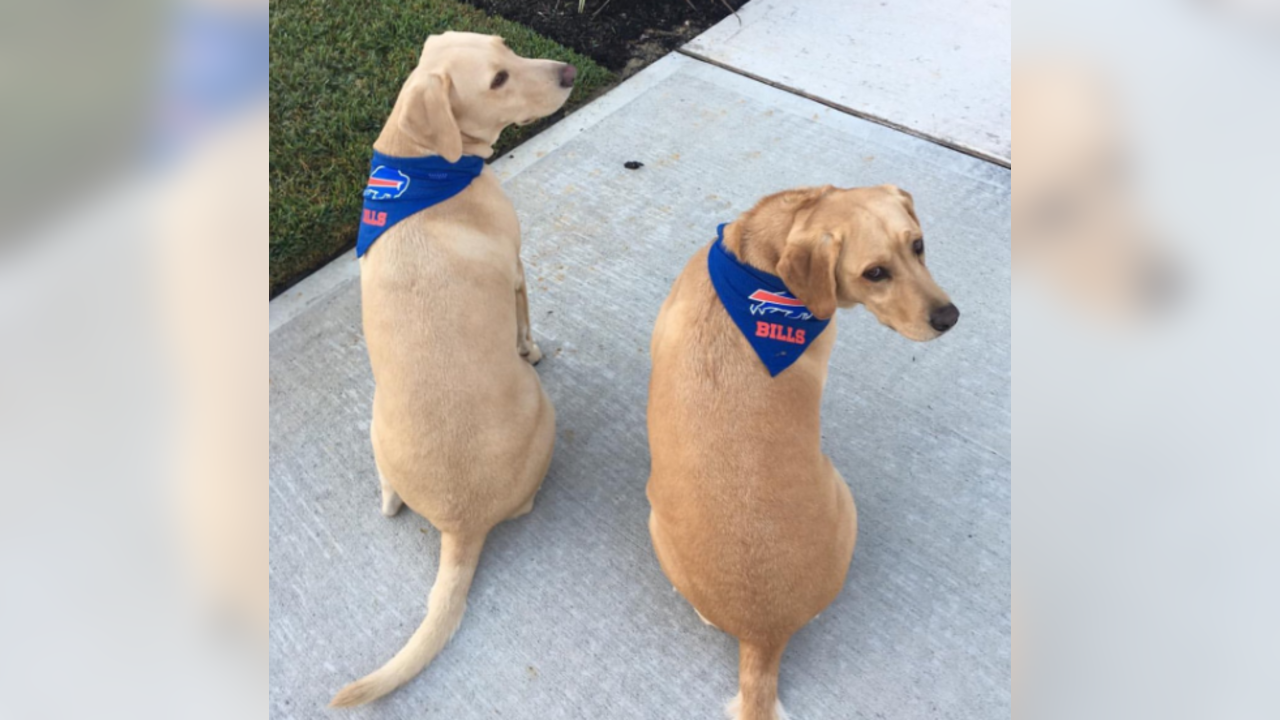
{"x":941,"y":69}
{"x":570,"y":615}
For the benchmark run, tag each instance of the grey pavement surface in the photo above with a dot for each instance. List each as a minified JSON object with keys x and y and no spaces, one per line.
{"x":941,"y":68}
{"x":570,"y":615}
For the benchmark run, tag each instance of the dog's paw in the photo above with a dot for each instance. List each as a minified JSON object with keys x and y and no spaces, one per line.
{"x":391,"y":503}
{"x":534,"y":355}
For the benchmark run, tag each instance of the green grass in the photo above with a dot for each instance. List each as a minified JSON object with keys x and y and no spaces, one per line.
{"x":336,"y":67}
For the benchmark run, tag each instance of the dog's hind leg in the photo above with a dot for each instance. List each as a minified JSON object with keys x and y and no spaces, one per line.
{"x":523,"y":509}
{"x":524,"y":334}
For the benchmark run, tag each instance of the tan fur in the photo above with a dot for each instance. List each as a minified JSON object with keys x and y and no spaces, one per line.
{"x":1078,"y":226}
{"x":462,"y":431}
{"x":750,"y":521}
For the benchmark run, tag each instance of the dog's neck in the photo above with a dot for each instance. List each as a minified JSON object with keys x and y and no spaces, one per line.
{"x":478,"y":146}
{"x":395,"y":142}
{"x":752,"y":244}
{"x":759,"y":235}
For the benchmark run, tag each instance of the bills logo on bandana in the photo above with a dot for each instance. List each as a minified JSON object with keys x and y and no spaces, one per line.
{"x":386,"y":184}
{"x":775,"y":323}
{"x":767,"y":303}
{"x":400,"y":187}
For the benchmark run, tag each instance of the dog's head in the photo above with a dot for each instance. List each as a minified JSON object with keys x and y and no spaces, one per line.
{"x":1076,"y":222}
{"x":465,"y":90}
{"x":840,"y":248}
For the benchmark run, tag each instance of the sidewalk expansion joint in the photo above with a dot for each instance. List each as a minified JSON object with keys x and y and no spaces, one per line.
{"x":972,"y":152}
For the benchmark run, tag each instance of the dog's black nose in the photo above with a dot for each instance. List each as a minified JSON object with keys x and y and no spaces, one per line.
{"x":944,"y":318}
{"x":567,"y":75}
{"x":1160,"y":283}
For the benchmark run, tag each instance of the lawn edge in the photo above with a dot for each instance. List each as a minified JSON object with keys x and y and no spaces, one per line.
{"x":313,"y":287}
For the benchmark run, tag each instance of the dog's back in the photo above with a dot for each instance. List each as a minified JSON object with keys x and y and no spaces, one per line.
{"x":742,"y":496}
{"x":750,"y":521}
{"x":456,"y":406}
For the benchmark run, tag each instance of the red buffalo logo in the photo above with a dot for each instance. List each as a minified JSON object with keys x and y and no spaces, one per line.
{"x":780,"y":302}
{"x":386,"y":184}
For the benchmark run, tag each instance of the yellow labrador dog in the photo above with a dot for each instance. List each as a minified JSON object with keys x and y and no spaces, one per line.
{"x":462,"y":430}
{"x":749,"y":519}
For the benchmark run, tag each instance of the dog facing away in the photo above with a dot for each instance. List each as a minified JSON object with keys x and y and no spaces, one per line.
{"x":462,"y":430}
{"x":1078,"y":223}
{"x":750,"y":521}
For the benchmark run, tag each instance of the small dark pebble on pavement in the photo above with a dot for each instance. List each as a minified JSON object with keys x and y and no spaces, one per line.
{"x":633,"y":164}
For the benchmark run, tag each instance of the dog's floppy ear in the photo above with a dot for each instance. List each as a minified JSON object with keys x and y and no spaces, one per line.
{"x":428,"y":116}
{"x":907,"y":200}
{"x":808,"y":267}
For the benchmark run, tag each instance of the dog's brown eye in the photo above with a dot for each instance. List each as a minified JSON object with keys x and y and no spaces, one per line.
{"x":876,"y":274}
{"x":917,"y":247}
{"x":498,"y":80}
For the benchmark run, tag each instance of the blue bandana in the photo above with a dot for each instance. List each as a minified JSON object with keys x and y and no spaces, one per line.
{"x":399,"y":187}
{"x":778,"y":326}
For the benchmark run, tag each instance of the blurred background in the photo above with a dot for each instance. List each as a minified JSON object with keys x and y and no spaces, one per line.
{"x":133,"y":438}
{"x":103,"y":78}
{"x":1147,"y":554}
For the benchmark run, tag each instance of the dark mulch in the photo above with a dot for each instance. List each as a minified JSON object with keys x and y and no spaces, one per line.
{"x":622,"y":35}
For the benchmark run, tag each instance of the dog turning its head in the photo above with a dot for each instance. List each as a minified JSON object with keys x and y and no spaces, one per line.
{"x":839,"y":248}
{"x":465,"y":90}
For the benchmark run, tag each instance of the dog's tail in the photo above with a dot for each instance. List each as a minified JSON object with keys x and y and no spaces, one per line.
{"x":448,"y":600}
{"x":757,"y":697}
